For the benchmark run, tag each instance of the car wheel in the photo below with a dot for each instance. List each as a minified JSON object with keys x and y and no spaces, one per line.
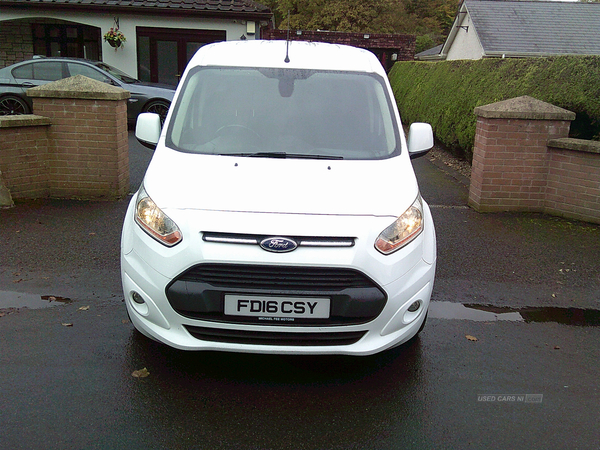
{"x":159,"y":107}
{"x":11,"y":105}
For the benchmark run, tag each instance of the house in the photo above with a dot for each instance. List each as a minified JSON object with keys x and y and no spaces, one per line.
{"x":161,"y":35}
{"x":504,"y":29}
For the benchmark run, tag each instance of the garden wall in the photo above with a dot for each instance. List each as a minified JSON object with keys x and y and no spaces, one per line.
{"x":523,"y":160}
{"x":74,"y":146}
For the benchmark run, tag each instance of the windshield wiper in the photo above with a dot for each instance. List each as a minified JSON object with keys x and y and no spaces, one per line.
{"x":282,"y":155}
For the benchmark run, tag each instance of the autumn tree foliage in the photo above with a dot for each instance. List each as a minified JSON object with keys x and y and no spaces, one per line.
{"x":430,"y":20}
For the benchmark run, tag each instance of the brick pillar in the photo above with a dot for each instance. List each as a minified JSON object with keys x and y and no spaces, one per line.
{"x":510,"y":156}
{"x":88,"y":154}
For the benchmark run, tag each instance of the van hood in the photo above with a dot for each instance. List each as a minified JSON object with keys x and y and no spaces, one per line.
{"x":177,"y":180}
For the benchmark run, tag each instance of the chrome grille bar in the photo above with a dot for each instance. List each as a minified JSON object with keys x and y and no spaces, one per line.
{"x":250,"y":239}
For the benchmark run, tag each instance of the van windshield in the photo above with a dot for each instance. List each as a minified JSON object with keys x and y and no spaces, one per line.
{"x":284,"y":113}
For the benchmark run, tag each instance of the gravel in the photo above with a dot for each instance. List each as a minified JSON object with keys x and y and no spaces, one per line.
{"x":440,"y":154}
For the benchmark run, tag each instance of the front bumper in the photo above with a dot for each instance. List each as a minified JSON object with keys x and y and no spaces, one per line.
{"x":406,"y":277}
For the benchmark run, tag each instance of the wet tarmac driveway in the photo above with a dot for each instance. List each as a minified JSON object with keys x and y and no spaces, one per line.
{"x":509,"y":357}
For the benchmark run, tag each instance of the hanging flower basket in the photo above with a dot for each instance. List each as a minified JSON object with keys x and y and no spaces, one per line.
{"x":115,"y":38}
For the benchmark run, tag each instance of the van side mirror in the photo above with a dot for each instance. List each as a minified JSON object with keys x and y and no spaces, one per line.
{"x":147,"y":129}
{"x":420,"y":139}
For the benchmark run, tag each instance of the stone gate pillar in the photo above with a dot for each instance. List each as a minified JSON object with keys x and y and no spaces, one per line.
{"x":510,"y":156}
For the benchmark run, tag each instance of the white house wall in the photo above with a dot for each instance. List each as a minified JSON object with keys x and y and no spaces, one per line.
{"x":125,"y":58}
{"x":466,"y":44}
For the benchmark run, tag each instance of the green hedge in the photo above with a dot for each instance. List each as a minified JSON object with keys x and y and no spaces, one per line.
{"x":445,"y":93}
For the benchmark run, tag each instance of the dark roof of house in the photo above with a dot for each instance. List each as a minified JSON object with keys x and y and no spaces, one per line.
{"x":536,"y":27}
{"x":207,"y":7}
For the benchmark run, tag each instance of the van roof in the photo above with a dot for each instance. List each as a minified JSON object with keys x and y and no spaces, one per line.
{"x":302,"y":55}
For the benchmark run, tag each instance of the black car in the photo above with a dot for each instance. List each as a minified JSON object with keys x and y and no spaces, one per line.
{"x":16,"y":79}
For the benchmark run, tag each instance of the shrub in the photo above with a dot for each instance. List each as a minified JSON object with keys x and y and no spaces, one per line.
{"x":445,"y":93}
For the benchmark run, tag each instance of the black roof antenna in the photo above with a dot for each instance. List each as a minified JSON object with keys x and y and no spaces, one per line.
{"x":287,"y":43}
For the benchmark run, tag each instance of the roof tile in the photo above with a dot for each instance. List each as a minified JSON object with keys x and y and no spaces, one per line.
{"x":543,"y":27}
{"x":247,"y":6}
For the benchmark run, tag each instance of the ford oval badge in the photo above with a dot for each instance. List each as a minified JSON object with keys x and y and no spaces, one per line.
{"x":278,"y":244}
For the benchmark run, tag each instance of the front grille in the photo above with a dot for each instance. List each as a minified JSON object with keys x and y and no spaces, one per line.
{"x":274,"y":338}
{"x":199,"y":293}
{"x":281,"y":278}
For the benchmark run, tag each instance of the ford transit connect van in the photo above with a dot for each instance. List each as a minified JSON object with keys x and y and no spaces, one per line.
{"x":280,"y":212}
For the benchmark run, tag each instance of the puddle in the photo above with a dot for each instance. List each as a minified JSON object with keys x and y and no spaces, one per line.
{"x":487,"y":313}
{"x":437,"y":310}
{"x":32,"y":301}
{"x":451,"y":310}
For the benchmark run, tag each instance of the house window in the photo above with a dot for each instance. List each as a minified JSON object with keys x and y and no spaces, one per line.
{"x":71,"y":40}
{"x":163,"y":53}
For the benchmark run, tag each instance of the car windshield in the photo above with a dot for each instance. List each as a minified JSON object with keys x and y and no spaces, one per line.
{"x":284,"y":113}
{"x":117,"y":73}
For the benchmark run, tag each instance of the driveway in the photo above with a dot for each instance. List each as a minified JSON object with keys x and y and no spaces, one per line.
{"x":508,"y":359}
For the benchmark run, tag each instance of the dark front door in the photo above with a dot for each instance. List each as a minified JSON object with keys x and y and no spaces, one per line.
{"x":164,"y":53}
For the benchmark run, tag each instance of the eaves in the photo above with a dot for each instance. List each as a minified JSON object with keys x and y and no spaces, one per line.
{"x":510,"y":54}
{"x":114,"y":7}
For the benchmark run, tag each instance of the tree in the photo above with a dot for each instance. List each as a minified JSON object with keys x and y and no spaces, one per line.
{"x":336,"y":15}
{"x":430,"y":18}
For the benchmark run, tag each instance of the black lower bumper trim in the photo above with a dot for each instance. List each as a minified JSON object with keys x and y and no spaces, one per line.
{"x":275,"y":338}
{"x":199,"y":292}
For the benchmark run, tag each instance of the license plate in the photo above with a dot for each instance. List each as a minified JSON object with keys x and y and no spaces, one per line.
{"x":285,"y":307}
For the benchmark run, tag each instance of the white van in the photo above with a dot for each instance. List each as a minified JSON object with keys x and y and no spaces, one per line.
{"x":280,"y":212}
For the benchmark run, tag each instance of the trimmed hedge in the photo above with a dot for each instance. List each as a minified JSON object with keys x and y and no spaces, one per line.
{"x":445,"y":93}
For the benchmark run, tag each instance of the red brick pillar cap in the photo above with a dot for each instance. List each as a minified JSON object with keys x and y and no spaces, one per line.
{"x":81,"y":87}
{"x":524,"y":107}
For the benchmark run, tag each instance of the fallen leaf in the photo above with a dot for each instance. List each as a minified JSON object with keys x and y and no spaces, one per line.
{"x":142,"y":373}
{"x":18,"y":281}
{"x":124,"y":321}
{"x":83,"y":308}
{"x":92,"y":234}
{"x":556,"y":347}
{"x":471,"y":338}
{"x":67,"y":324}
{"x":51,"y":298}
{"x":2,"y":314}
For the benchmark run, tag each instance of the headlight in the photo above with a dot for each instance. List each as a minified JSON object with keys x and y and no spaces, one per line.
{"x":155,"y":222}
{"x":407,"y":227}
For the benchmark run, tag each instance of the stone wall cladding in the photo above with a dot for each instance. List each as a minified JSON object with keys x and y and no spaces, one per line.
{"x":16,"y":42}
